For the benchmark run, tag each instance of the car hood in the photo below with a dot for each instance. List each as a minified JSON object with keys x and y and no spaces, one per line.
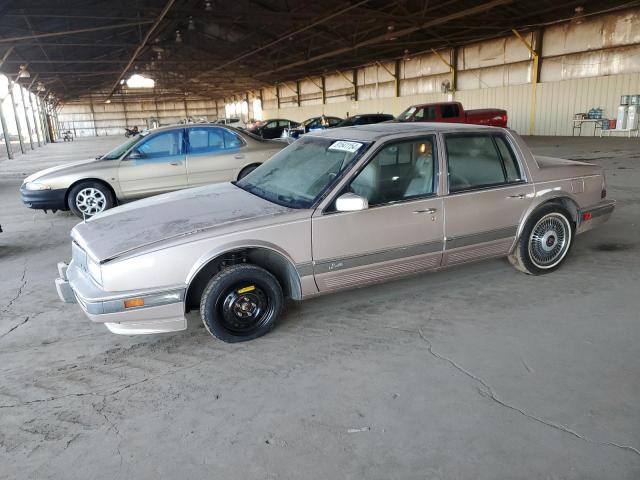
{"x":165,"y":217}
{"x":67,"y":167}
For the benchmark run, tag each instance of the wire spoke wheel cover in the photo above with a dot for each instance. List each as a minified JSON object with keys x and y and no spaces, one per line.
{"x":90,"y":201}
{"x":549,"y":240}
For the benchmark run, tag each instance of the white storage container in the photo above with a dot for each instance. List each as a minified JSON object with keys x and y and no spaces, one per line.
{"x":621,"y":119}
{"x":632,"y":117}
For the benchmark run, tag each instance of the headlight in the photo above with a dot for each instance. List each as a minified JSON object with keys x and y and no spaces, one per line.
{"x":36,"y":186}
{"x":94,"y":269}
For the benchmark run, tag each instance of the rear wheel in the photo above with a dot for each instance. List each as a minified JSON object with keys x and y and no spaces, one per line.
{"x":545,"y":241}
{"x":241,"y":303}
{"x":87,"y":199}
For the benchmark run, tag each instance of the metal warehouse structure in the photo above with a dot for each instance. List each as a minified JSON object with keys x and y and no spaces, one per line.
{"x":540,"y":60}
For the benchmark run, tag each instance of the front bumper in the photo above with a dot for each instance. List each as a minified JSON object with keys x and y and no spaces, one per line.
{"x":162,"y":310}
{"x":595,"y":215}
{"x":44,"y":199}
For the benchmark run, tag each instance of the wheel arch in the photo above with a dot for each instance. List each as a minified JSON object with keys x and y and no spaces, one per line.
{"x":99,"y":180}
{"x":561,"y":199}
{"x":253,"y":164}
{"x":275,"y":262}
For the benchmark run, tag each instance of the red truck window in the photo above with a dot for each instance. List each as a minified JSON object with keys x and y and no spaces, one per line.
{"x":450,"y":111}
{"x":424,"y":114}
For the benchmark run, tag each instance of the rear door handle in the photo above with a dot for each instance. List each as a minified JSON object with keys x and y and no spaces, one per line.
{"x":175,"y":163}
{"x":239,"y":156}
{"x":426,"y":210}
{"x":519,"y":196}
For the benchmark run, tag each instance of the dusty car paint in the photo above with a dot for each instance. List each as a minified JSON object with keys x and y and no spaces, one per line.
{"x":149,"y":248}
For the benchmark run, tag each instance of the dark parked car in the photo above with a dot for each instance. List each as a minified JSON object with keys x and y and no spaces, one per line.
{"x":314,"y":124}
{"x":365,"y":119}
{"x":272,"y":128}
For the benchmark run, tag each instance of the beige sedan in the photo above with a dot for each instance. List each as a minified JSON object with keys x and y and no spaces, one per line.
{"x":335,"y":210}
{"x":153,"y":162}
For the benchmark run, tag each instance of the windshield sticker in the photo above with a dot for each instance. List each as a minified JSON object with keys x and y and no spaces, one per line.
{"x":342,"y":146}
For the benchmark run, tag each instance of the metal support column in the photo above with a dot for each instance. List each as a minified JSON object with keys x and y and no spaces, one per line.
{"x":355,"y":84}
{"x":26,"y":116}
{"x":35,"y":118}
{"x":323,"y":87}
{"x":15,"y":115}
{"x":43,"y":120}
{"x":5,"y":133}
{"x":278,"y":96}
{"x":535,"y":55}
{"x":451,"y":64}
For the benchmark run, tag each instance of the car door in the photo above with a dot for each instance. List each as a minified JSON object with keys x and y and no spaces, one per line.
{"x":270,"y":129}
{"x":488,"y":195}
{"x":400,"y":233}
{"x":214,"y":155}
{"x":155,"y":165}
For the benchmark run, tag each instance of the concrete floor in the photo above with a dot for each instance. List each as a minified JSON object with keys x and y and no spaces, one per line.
{"x":477,"y":372}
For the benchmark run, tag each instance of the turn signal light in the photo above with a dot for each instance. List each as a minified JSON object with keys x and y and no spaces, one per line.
{"x":134,"y":302}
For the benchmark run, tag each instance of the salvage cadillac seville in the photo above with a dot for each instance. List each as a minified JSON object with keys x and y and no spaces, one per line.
{"x":337,"y":209}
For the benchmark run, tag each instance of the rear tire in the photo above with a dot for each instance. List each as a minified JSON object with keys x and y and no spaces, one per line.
{"x":87,"y":199}
{"x":545,"y":241}
{"x":246,"y":171}
{"x":241,"y":303}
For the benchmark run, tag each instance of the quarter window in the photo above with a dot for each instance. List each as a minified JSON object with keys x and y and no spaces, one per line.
{"x":509,"y":159}
{"x":398,"y":172}
{"x":477,"y":161}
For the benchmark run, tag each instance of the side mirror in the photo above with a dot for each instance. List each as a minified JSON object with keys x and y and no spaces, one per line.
{"x":350,"y":202}
{"x":134,"y":155}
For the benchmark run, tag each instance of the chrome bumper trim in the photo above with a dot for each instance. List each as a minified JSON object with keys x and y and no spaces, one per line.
{"x":605,"y":207}
{"x":65,"y":292}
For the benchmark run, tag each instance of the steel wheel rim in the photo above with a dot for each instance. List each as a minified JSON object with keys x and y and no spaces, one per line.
{"x":90,"y":201}
{"x":549,"y":240}
{"x":245,"y":321}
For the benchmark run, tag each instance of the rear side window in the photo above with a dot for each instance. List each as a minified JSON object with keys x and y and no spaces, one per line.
{"x":478,"y":161}
{"x":450,"y":111}
{"x":210,"y":140}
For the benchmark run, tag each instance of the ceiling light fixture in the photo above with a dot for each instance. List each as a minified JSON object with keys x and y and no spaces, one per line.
{"x":207,"y":6}
{"x":192,"y":24}
{"x":178,"y":37}
{"x":23,"y":72}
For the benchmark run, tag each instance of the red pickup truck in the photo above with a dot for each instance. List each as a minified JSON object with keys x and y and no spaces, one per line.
{"x":452,"y":112}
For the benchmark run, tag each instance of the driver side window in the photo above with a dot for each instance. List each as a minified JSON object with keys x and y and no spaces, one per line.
{"x":400,"y":171}
{"x":163,"y":145}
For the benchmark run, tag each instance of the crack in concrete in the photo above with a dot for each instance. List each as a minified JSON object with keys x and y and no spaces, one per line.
{"x":107,"y":394}
{"x":23,"y":283}
{"x":26,"y":319}
{"x":113,"y":426}
{"x":487,"y":391}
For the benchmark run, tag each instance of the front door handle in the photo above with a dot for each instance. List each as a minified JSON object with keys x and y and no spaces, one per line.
{"x":175,"y":163}
{"x":426,"y":210}
{"x":519,"y":196}
{"x":239,"y":156}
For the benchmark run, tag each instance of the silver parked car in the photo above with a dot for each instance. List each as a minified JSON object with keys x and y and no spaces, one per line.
{"x":337,"y":209}
{"x":153,"y":162}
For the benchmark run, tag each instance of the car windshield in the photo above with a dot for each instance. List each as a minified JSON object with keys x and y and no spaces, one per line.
{"x":121,"y":149}
{"x":297,"y":176}
{"x":406,"y":114}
